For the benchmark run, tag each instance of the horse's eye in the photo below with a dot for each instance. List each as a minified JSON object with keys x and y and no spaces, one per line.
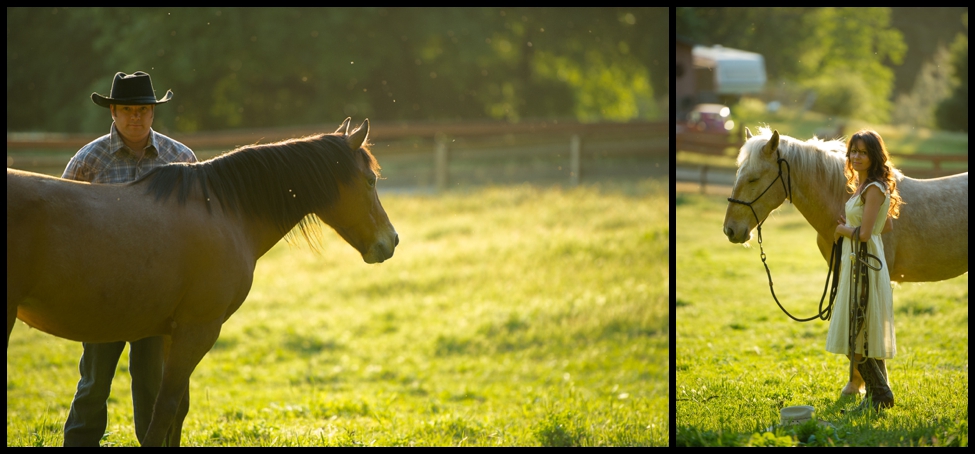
{"x":752,"y":180}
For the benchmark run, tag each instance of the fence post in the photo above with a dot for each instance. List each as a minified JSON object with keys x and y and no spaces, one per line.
{"x":574,"y":152}
{"x":704,"y":179}
{"x":440,"y":162}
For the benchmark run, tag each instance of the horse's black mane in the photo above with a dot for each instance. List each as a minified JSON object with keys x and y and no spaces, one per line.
{"x":282,"y":182}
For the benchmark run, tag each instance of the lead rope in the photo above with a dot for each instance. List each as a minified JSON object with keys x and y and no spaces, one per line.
{"x":834,"y":258}
{"x":860,"y":295}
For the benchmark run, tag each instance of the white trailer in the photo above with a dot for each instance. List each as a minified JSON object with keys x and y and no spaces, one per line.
{"x":727,"y":72}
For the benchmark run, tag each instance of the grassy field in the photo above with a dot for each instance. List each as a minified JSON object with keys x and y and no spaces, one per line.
{"x":739,"y":359}
{"x":512,"y":316}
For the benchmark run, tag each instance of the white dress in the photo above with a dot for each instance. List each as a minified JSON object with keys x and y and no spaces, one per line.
{"x":879,"y":325}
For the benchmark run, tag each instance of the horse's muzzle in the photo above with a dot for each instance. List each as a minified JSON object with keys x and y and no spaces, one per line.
{"x":737,"y":237}
{"x":382,"y":250}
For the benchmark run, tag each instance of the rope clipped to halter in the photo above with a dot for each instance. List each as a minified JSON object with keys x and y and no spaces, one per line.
{"x":834,"y":258}
{"x":859,"y":295}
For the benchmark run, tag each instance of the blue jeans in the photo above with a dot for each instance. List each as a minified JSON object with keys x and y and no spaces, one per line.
{"x":88,"y":417}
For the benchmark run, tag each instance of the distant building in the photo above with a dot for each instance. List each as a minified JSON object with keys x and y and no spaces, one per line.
{"x":724,"y":74}
{"x":713,"y":74}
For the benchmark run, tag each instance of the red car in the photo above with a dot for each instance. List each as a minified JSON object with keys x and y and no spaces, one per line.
{"x":710,"y":118}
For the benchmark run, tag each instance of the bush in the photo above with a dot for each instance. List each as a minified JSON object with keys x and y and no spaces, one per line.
{"x":841,"y":93}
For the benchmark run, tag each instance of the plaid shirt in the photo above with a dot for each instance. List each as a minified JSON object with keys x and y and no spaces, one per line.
{"x":107,"y":159}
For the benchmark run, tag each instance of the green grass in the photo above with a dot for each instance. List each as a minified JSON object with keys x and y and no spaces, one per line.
{"x":512,"y":316}
{"x":739,"y":359}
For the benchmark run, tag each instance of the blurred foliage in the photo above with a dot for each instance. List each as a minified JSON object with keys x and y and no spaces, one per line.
{"x":855,"y":59}
{"x":952,"y":113}
{"x":925,"y":30}
{"x":847,"y":66}
{"x":932,"y":85}
{"x":247,"y":68}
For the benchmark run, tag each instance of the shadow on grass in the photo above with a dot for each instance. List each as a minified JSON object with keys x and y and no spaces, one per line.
{"x":810,"y":433}
{"x":850,"y":429}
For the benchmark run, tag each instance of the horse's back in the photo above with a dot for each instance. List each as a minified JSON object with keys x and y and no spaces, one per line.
{"x":30,"y":197}
{"x":940,"y":200}
{"x":935,"y":217}
{"x":24,"y":191}
{"x":116,"y":258}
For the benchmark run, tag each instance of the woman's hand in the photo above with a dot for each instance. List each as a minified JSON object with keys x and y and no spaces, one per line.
{"x":840,"y":228}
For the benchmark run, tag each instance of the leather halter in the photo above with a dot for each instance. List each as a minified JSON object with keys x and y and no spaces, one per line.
{"x":834,"y":258}
{"x":788,"y":189}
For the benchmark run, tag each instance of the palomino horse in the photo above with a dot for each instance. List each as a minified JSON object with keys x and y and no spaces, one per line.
{"x":100,"y":263}
{"x":929,"y":241}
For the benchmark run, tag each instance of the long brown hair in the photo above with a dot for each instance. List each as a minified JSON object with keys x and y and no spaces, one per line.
{"x":880,"y":170}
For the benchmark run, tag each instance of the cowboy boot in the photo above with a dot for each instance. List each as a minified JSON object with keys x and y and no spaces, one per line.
{"x":883,"y":370}
{"x":879,"y":395}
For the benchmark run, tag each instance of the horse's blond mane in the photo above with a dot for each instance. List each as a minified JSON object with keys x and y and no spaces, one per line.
{"x":822,"y":159}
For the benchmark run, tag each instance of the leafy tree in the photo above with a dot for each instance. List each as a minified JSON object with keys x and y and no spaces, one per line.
{"x":952,"y":113}
{"x":48,"y":73}
{"x":838,"y":52}
{"x":932,"y":86}
{"x":242,"y":67}
{"x":846,"y":65}
{"x":926,"y":29}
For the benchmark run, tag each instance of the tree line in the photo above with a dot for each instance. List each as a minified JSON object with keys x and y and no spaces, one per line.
{"x":267,"y":67}
{"x":862,"y":62}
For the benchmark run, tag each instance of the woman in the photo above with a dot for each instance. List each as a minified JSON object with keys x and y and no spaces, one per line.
{"x":869,"y":212}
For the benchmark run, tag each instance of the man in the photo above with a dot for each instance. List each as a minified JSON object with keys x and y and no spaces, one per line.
{"x":128,"y":151}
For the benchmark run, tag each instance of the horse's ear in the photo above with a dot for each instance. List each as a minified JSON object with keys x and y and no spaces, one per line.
{"x":358,"y":137}
{"x":773,"y":143}
{"x":748,"y":134}
{"x":344,"y":128}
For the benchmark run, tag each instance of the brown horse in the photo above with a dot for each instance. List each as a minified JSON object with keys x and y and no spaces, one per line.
{"x":100,"y":263}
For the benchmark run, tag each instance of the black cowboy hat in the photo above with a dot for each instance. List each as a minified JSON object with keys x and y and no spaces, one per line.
{"x":131,"y":90}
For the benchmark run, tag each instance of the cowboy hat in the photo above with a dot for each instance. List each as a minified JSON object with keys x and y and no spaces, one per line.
{"x":131,"y":89}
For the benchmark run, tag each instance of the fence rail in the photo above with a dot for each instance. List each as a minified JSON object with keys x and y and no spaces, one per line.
{"x":432,"y":154}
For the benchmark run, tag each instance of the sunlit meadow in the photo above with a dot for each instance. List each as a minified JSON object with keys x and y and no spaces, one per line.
{"x":740,"y":359}
{"x":513,"y":316}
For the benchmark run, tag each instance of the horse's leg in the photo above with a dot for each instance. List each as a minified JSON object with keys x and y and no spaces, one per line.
{"x":177,"y":428}
{"x":890,"y":256}
{"x":184,"y":406}
{"x":173,"y":436}
{"x":190,"y":342}
{"x":825,"y":247}
{"x":856,"y":385}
